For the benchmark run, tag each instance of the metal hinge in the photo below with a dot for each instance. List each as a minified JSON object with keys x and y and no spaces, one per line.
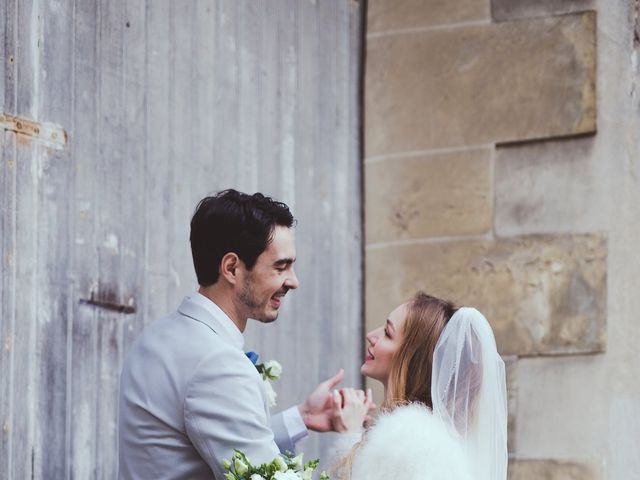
{"x":49,"y":134}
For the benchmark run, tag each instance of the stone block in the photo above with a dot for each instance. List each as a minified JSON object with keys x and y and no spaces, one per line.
{"x":543,"y":295}
{"x":552,"y":470}
{"x":426,"y":196}
{"x":554,"y":186}
{"x":502,"y":10}
{"x":564,"y":405}
{"x":385,"y":15}
{"x":483,"y":84}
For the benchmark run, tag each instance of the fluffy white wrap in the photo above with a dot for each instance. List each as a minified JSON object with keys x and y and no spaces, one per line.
{"x":410,"y":443}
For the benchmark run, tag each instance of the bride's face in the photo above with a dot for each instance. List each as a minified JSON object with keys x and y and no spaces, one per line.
{"x":382,"y":344}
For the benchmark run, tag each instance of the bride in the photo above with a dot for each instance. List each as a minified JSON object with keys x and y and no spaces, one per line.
{"x":444,"y":415}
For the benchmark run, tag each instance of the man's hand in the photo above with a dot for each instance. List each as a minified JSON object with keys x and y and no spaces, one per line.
{"x":318,"y":409}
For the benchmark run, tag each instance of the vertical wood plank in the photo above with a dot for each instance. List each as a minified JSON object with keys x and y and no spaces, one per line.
{"x":5,"y":51}
{"x":111,"y":231}
{"x":134,"y":181}
{"x":225,"y":83}
{"x":24,"y":332}
{"x":248,"y":23}
{"x":84,"y":152}
{"x":9,"y":27}
{"x":160,"y":162}
{"x":28,"y":35}
{"x":213,"y":169}
{"x":7,"y":292}
{"x":183,"y":138}
{"x":54,"y":247}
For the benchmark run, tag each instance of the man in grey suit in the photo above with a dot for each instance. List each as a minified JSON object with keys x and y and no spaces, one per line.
{"x":188,"y":393}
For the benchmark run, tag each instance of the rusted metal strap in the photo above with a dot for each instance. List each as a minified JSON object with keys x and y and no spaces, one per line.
{"x":107,"y":305}
{"x":50,"y":134}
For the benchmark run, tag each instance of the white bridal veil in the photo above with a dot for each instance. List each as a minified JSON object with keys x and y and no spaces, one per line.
{"x":468,"y":390}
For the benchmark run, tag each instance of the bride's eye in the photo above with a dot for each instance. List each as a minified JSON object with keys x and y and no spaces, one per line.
{"x":386,"y":333}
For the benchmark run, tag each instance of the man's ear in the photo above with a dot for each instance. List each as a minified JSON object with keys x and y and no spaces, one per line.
{"x":229,"y":267}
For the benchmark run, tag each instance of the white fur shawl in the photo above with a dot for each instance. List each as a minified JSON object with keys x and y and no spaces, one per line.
{"x":410,"y":444}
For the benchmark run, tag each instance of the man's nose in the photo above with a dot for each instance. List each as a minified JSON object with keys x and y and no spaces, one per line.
{"x":292,"y":281}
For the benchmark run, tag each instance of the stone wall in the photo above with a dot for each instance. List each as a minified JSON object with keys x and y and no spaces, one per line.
{"x":502,"y":171}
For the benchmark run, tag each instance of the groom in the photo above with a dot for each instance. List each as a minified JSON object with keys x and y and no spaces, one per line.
{"x":188,"y":393}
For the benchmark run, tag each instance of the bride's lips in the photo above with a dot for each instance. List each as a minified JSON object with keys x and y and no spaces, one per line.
{"x":369,"y":356}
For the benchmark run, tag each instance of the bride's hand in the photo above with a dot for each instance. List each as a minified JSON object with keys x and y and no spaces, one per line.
{"x":351,"y":409}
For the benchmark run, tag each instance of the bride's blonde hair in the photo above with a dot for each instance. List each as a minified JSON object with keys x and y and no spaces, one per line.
{"x":411,"y":367}
{"x":410,"y":374}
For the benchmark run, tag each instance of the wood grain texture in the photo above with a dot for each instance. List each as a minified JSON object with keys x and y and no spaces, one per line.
{"x":164,"y":103}
{"x":8,"y":295}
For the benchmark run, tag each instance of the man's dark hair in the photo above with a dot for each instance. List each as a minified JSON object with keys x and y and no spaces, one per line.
{"x":233,"y":221}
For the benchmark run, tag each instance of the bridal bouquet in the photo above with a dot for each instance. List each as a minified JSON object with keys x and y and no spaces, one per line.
{"x":280,"y":468}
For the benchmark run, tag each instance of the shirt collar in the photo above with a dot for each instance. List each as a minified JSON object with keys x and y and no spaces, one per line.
{"x":221,"y":320}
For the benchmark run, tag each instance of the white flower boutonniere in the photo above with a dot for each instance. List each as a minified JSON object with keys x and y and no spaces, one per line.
{"x":270,"y":372}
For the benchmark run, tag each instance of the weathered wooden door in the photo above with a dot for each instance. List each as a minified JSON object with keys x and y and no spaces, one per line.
{"x":155,"y":104}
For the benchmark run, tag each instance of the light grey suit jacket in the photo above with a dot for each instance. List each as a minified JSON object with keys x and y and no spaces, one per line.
{"x":189,"y":395}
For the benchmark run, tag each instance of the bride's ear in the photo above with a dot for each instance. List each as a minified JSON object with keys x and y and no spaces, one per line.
{"x":229,"y":267}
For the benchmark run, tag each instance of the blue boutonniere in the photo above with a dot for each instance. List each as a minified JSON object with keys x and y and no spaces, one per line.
{"x":253,"y":356}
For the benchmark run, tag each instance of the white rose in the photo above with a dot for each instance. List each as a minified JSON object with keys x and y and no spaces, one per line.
{"x":274,"y":369}
{"x":241,"y":467}
{"x":288,"y":475}
{"x":307,"y":474}
{"x":297,"y":462}
{"x":271,"y":394}
{"x":255,"y":476}
{"x":280,"y":464}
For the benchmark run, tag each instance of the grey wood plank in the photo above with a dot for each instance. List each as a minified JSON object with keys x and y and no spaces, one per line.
{"x":54,"y":247}
{"x":248,"y":62}
{"x":84,"y":390}
{"x":25,"y":330}
{"x":214,"y":171}
{"x":226,"y":90}
{"x":8,"y":295}
{"x":27,"y":60}
{"x":160,"y":160}
{"x":109,"y":329}
{"x":52,"y":316}
{"x":84,"y":152}
{"x":183,"y":138}
{"x":111,"y":229}
{"x":9,"y":51}
{"x":134,"y":182}
{"x":4,"y":51}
